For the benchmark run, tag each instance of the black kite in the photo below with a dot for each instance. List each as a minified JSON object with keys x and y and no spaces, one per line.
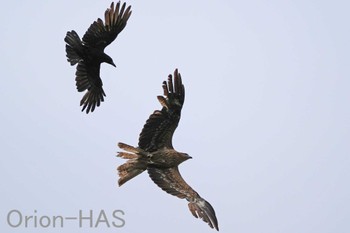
{"x":89,"y":53}
{"x":155,"y":152}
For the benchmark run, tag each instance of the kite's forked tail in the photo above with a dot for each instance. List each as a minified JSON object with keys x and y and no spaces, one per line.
{"x":136,"y":164}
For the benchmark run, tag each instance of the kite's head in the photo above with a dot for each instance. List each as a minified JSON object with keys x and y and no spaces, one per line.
{"x":185,"y":156}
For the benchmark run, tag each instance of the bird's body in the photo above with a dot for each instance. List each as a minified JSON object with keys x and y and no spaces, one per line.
{"x":89,"y":53}
{"x":163,"y":158}
{"x":92,"y":56}
{"x":156,"y":154}
{"x":167,"y":158}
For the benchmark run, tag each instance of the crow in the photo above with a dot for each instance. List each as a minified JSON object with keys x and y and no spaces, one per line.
{"x":88,"y":53}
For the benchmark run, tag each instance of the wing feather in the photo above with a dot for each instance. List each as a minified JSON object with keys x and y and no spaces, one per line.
{"x":100,"y":34}
{"x":171,"y":181}
{"x":88,"y":78}
{"x":158,"y":131}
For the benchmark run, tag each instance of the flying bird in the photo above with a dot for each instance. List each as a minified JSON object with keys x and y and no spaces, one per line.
{"x":156,"y":154}
{"x":88,"y":53}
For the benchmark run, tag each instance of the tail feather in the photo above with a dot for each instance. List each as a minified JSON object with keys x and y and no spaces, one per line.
{"x":135,"y":165}
{"x":128,"y":148}
{"x":126,"y":155}
{"x":73,"y":47}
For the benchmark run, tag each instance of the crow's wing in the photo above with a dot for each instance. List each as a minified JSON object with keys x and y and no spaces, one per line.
{"x":159,"y":128}
{"x":172,"y":182}
{"x":88,"y":78}
{"x":100,"y":34}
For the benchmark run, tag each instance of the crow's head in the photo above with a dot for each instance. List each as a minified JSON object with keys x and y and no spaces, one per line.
{"x":108,"y":60}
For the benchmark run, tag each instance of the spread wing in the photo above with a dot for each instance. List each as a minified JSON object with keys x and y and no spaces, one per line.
{"x":88,"y":78}
{"x":172,"y":182}
{"x":100,"y":34}
{"x":158,"y":131}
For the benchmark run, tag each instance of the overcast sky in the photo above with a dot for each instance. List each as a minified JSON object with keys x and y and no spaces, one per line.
{"x":266,"y":116}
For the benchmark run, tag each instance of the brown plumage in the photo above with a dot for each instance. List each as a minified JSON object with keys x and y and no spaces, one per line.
{"x":155,"y":152}
{"x":88,"y":53}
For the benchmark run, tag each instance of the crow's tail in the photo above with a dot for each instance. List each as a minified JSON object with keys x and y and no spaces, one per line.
{"x":136,"y":164}
{"x":74,"y":47}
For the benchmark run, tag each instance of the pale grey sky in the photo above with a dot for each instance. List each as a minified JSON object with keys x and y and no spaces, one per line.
{"x":266,"y":116}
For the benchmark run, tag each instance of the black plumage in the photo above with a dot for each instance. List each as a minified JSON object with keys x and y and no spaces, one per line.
{"x":88,"y":53}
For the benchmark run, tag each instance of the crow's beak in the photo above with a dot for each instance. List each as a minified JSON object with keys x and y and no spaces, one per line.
{"x":112,"y":63}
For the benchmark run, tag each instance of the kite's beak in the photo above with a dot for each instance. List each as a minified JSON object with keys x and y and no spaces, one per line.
{"x":186,"y":156}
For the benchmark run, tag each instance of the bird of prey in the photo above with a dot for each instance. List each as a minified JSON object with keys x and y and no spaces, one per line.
{"x":155,"y":152}
{"x":88,"y":53}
